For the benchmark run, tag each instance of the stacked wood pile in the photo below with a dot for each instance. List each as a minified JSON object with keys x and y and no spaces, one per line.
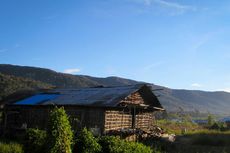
{"x":157,"y":132}
{"x":144,"y":120}
{"x":127,"y":134}
{"x":115,"y":120}
{"x":152,"y":132}
{"x":134,"y":98}
{"x":138,"y":134}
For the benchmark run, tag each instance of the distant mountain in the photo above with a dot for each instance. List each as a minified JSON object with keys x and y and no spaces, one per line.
{"x":171,"y":99}
{"x":193,"y":100}
{"x":11,"y":84}
{"x":62,"y":80}
{"x":112,"y":81}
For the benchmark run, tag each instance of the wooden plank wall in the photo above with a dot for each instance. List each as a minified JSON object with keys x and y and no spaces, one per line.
{"x":86,"y":117}
{"x":37,"y":117}
{"x":33,"y":117}
{"x":103,"y":120}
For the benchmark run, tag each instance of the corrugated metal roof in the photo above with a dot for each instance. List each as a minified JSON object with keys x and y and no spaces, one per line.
{"x":102,"y":96}
{"x":98,"y":96}
{"x":37,"y":99}
{"x":225,"y":119}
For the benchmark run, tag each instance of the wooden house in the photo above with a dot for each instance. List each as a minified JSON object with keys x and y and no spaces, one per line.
{"x":226,"y":120}
{"x":102,"y":109}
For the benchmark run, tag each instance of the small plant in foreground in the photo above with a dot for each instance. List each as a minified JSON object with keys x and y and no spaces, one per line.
{"x":86,"y":143}
{"x":10,"y":147}
{"x":59,"y":132}
{"x":35,"y":141}
{"x":111,"y":144}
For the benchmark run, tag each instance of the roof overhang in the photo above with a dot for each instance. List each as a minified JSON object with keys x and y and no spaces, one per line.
{"x":160,"y":109}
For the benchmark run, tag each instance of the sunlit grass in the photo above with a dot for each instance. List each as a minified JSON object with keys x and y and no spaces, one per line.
{"x":178,"y":128}
{"x":196,"y":139}
{"x":10,"y":147}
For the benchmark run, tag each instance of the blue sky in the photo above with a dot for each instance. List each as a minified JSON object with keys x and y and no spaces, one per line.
{"x":174,"y":43}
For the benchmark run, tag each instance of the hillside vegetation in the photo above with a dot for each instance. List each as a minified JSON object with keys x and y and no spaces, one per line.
{"x":62,"y":80}
{"x":11,"y":84}
{"x":171,"y":99}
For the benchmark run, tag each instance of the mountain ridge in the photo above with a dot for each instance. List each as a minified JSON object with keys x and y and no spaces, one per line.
{"x":217,"y":102}
{"x":11,"y":85}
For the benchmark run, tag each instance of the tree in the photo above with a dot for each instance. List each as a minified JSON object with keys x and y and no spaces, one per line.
{"x":86,"y":143}
{"x":210,"y":120}
{"x":59,"y":132}
{"x":111,"y":144}
{"x":35,"y":141}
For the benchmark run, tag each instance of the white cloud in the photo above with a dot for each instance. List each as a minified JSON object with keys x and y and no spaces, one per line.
{"x":173,"y":7}
{"x":224,"y":89}
{"x":196,"y":85}
{"x":72,"y":71}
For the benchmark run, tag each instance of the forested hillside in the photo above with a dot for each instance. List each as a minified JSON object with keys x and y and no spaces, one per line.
{"x":10,"y":84}
{"x":15,"y":78}
{"x":62,"y":80}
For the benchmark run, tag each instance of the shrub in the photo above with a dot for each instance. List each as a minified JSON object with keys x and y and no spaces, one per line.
{"x":86,"y":143}
{"x":219,"y":126}
{"x":112,"y":144}
{"x":59,"y":132}
{"x":35,"y":141}
{"x":135,"y":147}
{"x":210,"y":120}
{"x":10,"y":147}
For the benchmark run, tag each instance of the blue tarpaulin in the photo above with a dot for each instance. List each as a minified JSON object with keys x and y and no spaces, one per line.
{"x":37,"y":99}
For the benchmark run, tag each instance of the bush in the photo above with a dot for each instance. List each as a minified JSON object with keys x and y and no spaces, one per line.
{"x":219,"y":126}
{"x":35,"y":141}
{"x":210,"y":120}
{"x":10,"y":147}
{"x":135,"y":147}
{"x":86,"y":143}
{"x":59,"y":132}
{"x":111,"y":144}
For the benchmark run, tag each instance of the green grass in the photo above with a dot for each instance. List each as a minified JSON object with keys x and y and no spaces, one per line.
{"x":210,"y":137}
{"x":173,"y":127}
{"x":10,"y":147}
{"x":197,"y":139}
{"x":197,"y":142}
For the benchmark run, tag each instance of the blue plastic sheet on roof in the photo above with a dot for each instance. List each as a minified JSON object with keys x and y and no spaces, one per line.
{"x":37,"y":99}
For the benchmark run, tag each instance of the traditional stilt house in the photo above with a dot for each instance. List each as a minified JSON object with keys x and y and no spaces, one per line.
{"x":102,"y":109}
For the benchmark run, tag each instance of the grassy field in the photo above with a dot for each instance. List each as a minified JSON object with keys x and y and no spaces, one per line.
{"x":10,"y":147}
{"x":177,"y":128}
{"x":196,"y":139}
